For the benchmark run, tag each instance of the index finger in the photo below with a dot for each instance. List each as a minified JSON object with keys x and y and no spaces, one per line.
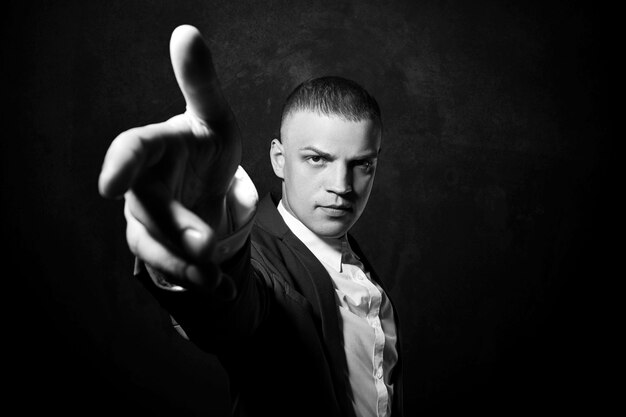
{"x":193,"y":67}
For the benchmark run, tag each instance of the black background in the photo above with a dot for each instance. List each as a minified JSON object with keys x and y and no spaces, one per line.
{"x":490,"y":216}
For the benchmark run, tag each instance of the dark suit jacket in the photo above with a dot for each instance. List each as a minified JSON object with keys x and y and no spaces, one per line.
{"x":280,"y":338}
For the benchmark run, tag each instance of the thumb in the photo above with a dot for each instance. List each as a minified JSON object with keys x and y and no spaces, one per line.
{"x":196,"y":76}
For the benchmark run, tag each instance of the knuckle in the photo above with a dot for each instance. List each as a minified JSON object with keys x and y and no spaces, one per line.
{"x":197,"y":126}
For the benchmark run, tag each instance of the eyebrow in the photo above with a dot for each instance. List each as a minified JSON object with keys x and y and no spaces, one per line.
{"x":369,"y":155}
{"x":317,"y":151}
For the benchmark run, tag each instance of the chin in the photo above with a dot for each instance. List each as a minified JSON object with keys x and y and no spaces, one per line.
{"x":331,"y":232}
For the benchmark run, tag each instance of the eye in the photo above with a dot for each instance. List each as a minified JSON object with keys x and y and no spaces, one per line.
{"x":315,"y":160}
{"x":364,"y":163}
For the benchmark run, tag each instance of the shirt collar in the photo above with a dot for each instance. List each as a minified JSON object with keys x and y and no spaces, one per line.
{"x":327,"y":250}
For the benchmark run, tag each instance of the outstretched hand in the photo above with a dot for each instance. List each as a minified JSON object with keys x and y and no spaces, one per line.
{"x":174,"y":175}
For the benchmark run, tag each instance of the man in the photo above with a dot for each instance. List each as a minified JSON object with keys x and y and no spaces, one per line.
{"x":277,"y":289}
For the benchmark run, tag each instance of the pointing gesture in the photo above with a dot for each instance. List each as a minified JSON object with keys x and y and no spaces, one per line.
{"x":174,"y":175}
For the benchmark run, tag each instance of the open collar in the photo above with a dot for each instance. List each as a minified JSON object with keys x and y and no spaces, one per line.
{"x":327,"y":250}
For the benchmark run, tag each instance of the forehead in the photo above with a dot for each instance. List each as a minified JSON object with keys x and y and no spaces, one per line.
{"x":305,"y":127}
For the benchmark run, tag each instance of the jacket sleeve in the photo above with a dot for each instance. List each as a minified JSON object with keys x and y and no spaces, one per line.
{"x":206,"y":319}
{"x":213,"y":321}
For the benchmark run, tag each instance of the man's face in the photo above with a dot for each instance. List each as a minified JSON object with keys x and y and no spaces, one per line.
{"x":327,"y":165}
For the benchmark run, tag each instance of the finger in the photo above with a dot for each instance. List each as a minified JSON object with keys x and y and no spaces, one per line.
{"x":167,"y":220}
{"x":131,"y":152}
{"x":145,"y":247}
{"x":196,"y":76}
{"x":166,"y":266}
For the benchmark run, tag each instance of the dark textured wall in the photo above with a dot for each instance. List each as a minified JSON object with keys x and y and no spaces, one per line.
{"x":488,"y":215}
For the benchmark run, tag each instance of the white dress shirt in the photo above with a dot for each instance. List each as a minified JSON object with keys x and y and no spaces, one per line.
{"x":366,"y":320}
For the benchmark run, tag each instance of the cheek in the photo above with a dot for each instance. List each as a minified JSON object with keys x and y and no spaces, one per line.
{"x":363,"y":183}
{"x":306,"y":178}
{"x":299,"y":183}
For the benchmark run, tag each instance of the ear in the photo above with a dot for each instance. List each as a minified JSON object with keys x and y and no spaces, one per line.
{"x":277,"y":156}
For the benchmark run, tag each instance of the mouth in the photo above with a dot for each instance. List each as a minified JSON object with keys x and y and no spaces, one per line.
{"x":337,"y":210}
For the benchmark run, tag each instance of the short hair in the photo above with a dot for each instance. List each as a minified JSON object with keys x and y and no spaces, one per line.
{"x":333,"y":96}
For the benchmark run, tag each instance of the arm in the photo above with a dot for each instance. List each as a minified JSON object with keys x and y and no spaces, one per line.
{"x":179,"y":185}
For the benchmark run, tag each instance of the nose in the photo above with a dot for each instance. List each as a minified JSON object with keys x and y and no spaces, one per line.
{"x":340,"y":180}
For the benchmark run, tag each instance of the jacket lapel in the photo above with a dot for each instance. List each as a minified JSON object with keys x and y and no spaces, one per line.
{"x":316,"y":286}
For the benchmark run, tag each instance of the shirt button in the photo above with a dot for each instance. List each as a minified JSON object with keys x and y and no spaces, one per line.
{"x":379,"y":373}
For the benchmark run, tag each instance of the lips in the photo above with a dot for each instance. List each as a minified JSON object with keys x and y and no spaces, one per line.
{"x":346,"y":207}
{"x":336,"y":210}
